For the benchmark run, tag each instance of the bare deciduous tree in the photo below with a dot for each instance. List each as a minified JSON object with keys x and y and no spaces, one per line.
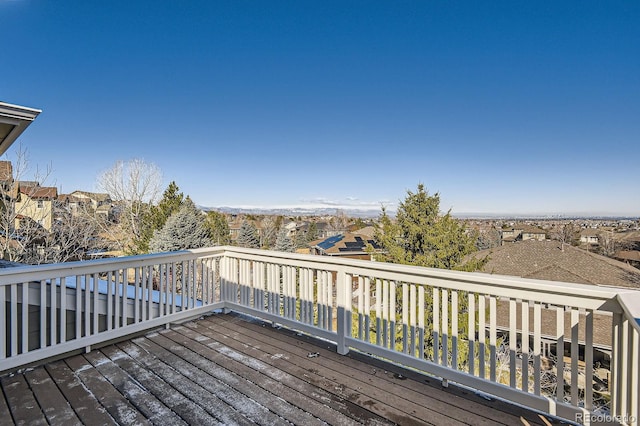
{"x":134,"y":185}
{"x":269,"y":231}
{"x":73,"y":236}
{"x":21,"y":225}
{"x":339,"y":223}
{"x":488,"y":239}
{"x":565,"y":233}
{"x":608,"y":243}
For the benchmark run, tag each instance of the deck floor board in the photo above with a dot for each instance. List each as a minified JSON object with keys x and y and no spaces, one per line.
{"x":274,"y":407}
{"x":382,"y":375}
{"x":233,"y":370}
{"x":21,"y":402}
{"x":190,"y":401}
{"x":54,"y":405}
{"x":83,"y":403}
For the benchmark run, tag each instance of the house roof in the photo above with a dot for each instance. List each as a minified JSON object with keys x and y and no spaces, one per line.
{"x":14,"y":120}
{"x":92,"y":195}
{"x":546,"y":260}
{"x":343,"y":244}
{"x":369,"y":231}
{"x":39,"y":192}
{"x":69,"y":198}
{"x":633,"y":255}
{"x":527,"y":229}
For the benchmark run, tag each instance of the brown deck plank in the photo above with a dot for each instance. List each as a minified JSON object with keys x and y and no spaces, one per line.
{"x":468,"y":408}
{"x":21,"y":401}
{"x":290,"y":403}
{"x":462,"y":398}
{"x":5,"y":413}
{"x":84,"y":403}
{"x":165,"y":387}
{"x":113,"y":401}
{"x":377,"y":400}
{"x":150,"y":406}
{"x":205,"y":400}
{"x":54,"y":405}
{"x":244,"y":392}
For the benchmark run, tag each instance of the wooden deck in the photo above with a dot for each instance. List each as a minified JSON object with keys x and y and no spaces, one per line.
{"x":226,"y":369}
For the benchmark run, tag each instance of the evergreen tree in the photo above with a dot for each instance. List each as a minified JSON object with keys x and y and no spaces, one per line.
{"x":283,"y":241}
{"x":155,"y":217}
{"x":301,"y":238}
{"x":248,"y":236}
{"x":422,"y":236}
{"x":184,"y":229}
{"x":312,"y":232}
{"x":218,"y":228}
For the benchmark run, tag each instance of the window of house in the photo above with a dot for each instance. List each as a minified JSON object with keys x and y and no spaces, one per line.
{"x":40,"y":204}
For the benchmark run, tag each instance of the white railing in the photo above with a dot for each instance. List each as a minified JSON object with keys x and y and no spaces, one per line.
{"x":566,"y":349}
{"x":49,"y":310}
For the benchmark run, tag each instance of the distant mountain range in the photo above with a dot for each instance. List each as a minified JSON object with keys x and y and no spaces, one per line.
{"x":297,"y":211}
{"x":373,"y":213}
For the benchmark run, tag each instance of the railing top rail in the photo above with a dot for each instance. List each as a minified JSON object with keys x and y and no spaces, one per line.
{"x":29,"y":273}
{"x":597,"y":296}
{"x":366,"y":267}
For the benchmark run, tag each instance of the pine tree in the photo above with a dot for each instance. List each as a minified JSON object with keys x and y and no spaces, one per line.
{"x":218,"y":227}
{"x":248,"y":236}
{"x":312,"y":232}
{"x":183,"y":230}
{"x":301,"y":239}
{"x":422,"y":236}
{"x":283,"y":241}
{"x":155,"y":217}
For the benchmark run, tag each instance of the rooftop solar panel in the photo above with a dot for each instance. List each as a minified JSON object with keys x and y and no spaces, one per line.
{"x":330,"y":242}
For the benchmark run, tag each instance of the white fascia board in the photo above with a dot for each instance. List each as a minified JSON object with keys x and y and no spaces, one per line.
{"x":18,"y":116}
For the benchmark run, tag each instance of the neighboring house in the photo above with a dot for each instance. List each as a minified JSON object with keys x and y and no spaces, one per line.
{"x":522,"y":233}
{"x":349,"y":245}
{"x":631,"y":257}
{"x":533,"y":233}
{"x":589,"y":236}
{"x":547,"y":260}
{"x":323,"y":228}
{"x":6,"y":176}
{"x":72,"y":203}
{"x":292,"y":229}
{"x":509,"y":235}
{"x":36,"y":203}
{"x":93,"y":199}
{"x":100,"y":203}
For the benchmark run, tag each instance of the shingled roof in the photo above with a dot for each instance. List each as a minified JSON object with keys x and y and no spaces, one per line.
{"x":344,"y":244}
{"x":548,"y":260}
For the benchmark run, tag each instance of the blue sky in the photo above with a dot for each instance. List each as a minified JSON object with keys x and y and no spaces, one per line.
{"x":501,"y":106}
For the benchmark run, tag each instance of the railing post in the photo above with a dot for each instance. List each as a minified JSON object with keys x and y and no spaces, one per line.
{"x":343,"y":296}
{"x":224,"y":282}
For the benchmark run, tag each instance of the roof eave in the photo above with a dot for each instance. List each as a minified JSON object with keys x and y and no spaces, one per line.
{"x":18,"y":116}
